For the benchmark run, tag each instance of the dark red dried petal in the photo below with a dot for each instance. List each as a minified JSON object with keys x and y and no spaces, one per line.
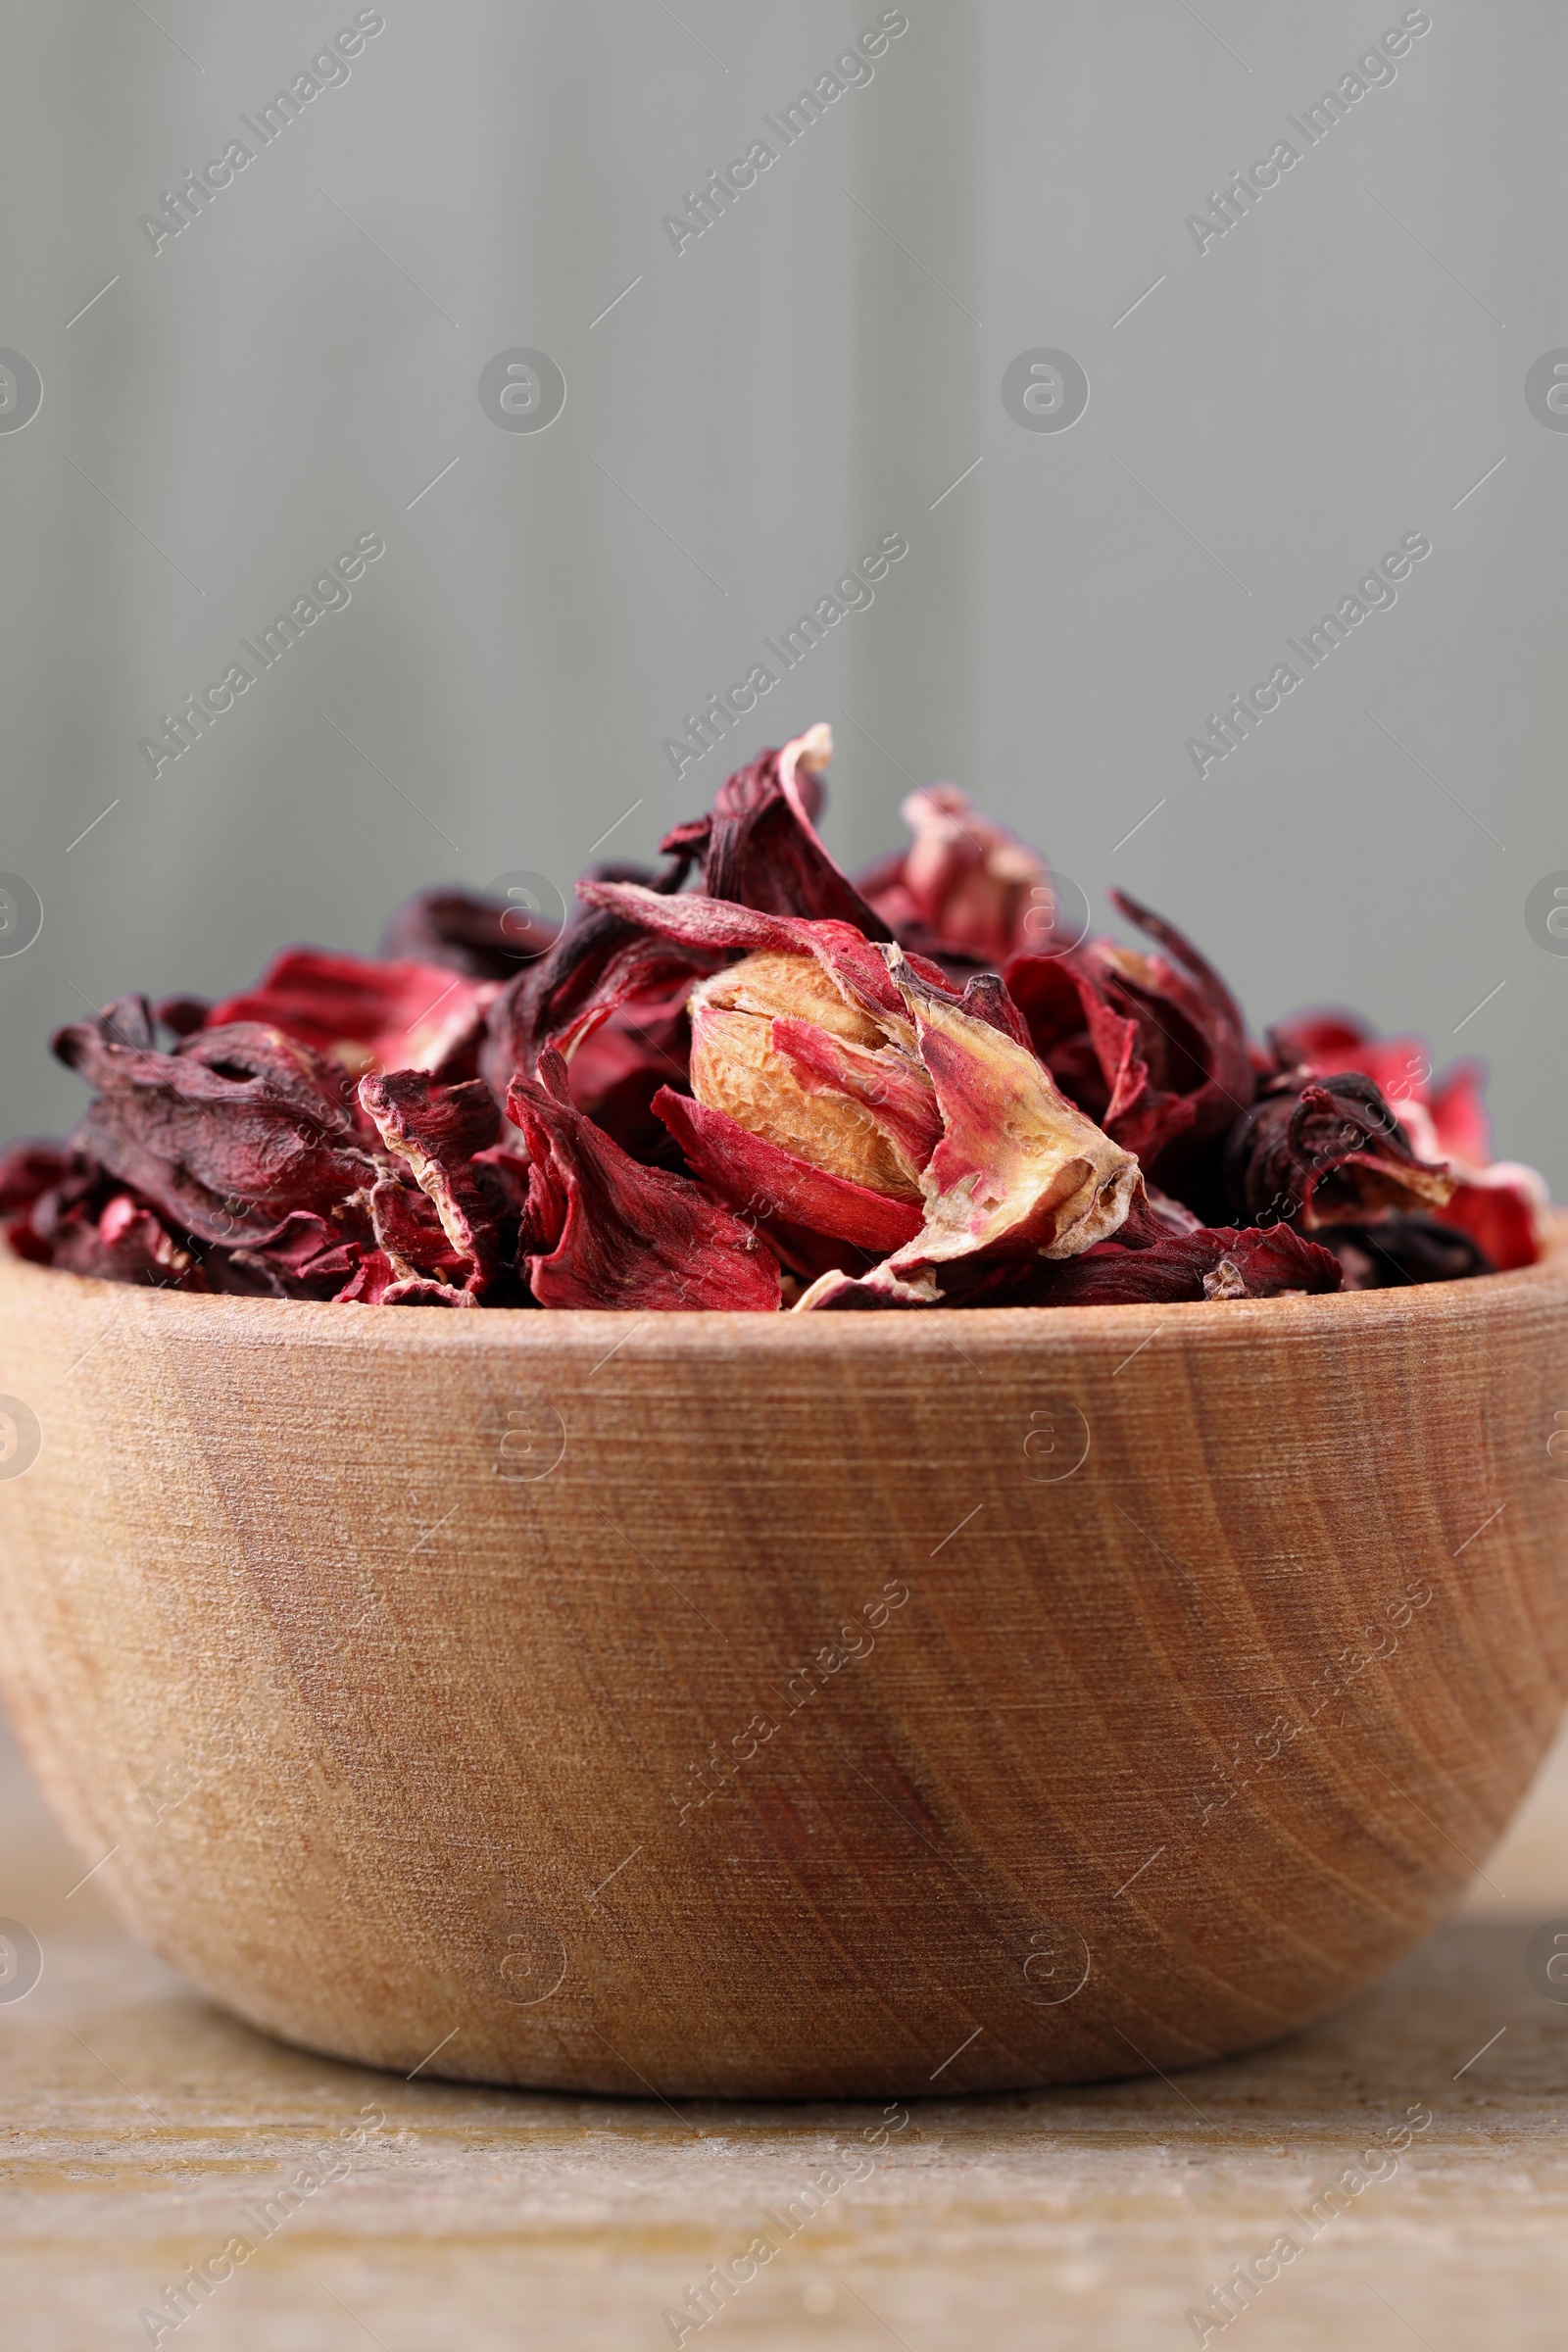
{"x":772,"y":1186}
{"x":436,"y":1130}
{"x":27,"y":1170}
{"x":180,"y":1016}
{"x":369,"y":1282}
{"x":1401,"y":1250}
{"x":1214,"y":1261}
{"x":600,"y":964}
{"x":464,"y":931}
{"x":1158,"y":1053}
{"x":1325,"y":1155}
{"x":226,"y":1135}
{"x":601,"y":1231}
{"x":760,"y":848}
{"x":311,"y":1258}
{"x":125,"y":1243}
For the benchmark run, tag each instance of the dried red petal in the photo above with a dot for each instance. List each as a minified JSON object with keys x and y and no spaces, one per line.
{"x":1497,"y":1205}
{"x":1216,"y":1261}
{"x":436,"y":1130}
{"x":365,"y":1014}
{"x":311,"y":1257}
{"x":1326,"y":1154}
{"x":26,"y":1171}
{"x":464,"y":931}
{"x":965,"y":888}
{"x":1158,"y":1053}
{"x":602,"y":1231}
{"x":602,"y":962}
{"x":1401,"y":1251}
{"x":760,"y":848}
{"x":773,"y":1186}
{"x":125,"y":1243}
{"x":226,"y":1135}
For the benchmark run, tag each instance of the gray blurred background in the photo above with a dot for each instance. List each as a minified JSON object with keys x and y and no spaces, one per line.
{"x":817,"y":370}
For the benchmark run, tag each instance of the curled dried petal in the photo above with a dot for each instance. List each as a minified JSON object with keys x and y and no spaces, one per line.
{"x":602,"y":1231}
{"x":605,"y":962}
{"x":125,"y":1243}
{"x":1155,"y":1047}
{"x":1326,"y":1154}
{"x":760,"y":848}
{"x":436,"y":1131}
{"x":365,"y":1014}
{"x":1213,"y":1262}
{"x":965,"y":887}
{"x":774,"y":1187}
{"x":1021,"y":1174}
{"x":465,"y":931}
{"x":225,"y":1137}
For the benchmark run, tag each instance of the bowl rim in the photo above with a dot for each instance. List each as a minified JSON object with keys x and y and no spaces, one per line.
{"x":1300,"y":1314}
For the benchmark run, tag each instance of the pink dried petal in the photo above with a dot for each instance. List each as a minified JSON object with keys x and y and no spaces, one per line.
{"x":966,"y":884}
{"x":601,"y":1231}
{"x":1019,"y":1172}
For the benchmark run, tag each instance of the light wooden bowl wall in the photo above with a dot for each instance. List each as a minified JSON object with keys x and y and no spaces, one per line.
{"x":390,"y":1723}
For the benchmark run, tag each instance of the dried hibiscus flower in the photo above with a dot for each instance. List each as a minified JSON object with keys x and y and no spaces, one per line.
{"x":1498,"y":1203}
{"x":226,"y":1135}
{"x":965,"y":888}
{"x":1327,"y":1151}
{"x":746,"y":1080}
{"x":1154,"y":1047}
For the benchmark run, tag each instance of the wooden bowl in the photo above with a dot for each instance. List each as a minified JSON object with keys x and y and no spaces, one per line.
{"x":728,"y":1704}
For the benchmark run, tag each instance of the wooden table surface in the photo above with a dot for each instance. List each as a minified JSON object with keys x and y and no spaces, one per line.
{"x":142,"y":2131}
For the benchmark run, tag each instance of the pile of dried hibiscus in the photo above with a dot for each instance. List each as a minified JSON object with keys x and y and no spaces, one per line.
{"x":776,"y":1088}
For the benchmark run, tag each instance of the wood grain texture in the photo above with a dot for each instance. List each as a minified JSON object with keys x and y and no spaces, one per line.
{"x":391,"y":1652}
{"x":141,"y":2126}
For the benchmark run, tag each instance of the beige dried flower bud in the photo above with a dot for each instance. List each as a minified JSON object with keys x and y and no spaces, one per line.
{"x":779,"y":1049}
